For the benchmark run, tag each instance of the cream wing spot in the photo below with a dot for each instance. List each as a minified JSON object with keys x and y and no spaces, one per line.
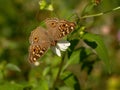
{"x":44,"y":49}
{"x":38,"y":55}
{"x":63,"y":33}
{"x":67,"y":30}
{"x":34,"y":59}
{"x":33,"y":52}
{"x":41,"y":51}
{"x":66,"y":25}
{"x":71,"y":27}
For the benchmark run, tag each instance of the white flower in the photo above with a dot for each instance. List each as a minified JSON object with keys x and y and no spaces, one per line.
{"x":60,"y":46}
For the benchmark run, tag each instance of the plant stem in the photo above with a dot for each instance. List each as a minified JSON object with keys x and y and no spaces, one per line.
{"x":59,"y":72}
{"x":99,"y":14}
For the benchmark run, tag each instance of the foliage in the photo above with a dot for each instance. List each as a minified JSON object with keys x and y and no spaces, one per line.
{"x":90,"y":63}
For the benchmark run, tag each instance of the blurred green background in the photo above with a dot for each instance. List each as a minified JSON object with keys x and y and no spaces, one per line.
{"x":19,"y":17}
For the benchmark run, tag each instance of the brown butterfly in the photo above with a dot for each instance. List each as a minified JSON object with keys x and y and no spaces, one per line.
{"x":43,"y":38}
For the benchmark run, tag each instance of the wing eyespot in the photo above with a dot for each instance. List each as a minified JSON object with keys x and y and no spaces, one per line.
{"x":53,"y":24}
{"x":36,"y":39}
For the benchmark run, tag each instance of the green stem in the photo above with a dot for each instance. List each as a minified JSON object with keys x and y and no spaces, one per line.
{"x":100,"y":14}
{"x":59,"y":72}
{"x":94,"y":15}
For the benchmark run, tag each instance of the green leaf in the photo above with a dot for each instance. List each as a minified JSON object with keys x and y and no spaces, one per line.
{"x":74,"y":58}
{"x":96,"y":42}
{"x":46,"y":70}
{"x":13,"y":67}
{"x":72,"y":46}
{"x":42,"y":85}
{"x":70,"y":80}
{"x":1,"y":76}
{"x":11,"y":86}
{"x":88,"y":8}
{"x":65,"y":88}
{"x":45,"y":6}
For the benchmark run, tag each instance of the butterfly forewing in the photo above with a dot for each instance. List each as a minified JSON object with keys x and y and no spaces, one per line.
{"x":39,"y":35}
{"x":39,"y":44}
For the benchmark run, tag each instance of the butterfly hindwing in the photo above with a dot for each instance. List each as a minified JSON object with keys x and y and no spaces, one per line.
{"x":59,"y":28}
{"x":36,"y":51}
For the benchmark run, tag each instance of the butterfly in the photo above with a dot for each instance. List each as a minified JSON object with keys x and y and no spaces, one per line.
{"x":43,"y":38}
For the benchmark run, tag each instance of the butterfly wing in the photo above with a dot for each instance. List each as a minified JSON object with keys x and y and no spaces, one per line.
{"x":39,"y":44}
{"x":59,"y":28}
{"x":41,"y":40}
{"x":38,"y":35}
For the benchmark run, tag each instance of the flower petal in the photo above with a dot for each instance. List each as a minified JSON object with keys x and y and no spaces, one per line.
{"x":63,"y":45}
{"x":56,"y":50}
